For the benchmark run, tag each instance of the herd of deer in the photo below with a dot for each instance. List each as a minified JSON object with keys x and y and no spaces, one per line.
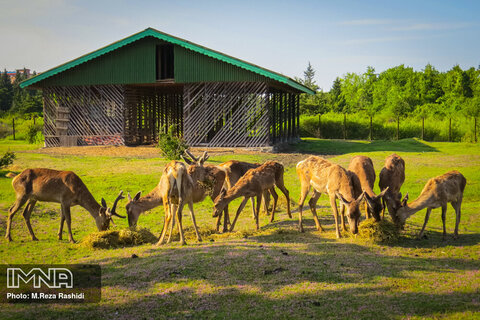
{"x":191,"y":181}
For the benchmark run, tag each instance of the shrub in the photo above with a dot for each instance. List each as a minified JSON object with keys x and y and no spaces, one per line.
{"x":33,"y":133}
{"x":7,"y":159}
{"x":384,"y":231}
{"x":118,"y":238}
{"x":171,"y":145}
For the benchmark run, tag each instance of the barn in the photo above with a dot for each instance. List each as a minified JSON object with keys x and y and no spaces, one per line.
{"x":128,"y":92}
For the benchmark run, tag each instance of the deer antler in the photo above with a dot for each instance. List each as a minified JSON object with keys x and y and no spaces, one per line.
{"x":204,"y":157}
{"x":114,"y":206}
{"x":191,"y":155}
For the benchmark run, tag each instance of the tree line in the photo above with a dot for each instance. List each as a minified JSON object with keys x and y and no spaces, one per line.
{"x":15,"y":100}
{"x":398,"y":92}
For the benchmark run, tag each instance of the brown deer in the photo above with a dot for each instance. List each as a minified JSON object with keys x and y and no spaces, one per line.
{"x":392,"y":177}
{"x":63,"y":187}
{"x":234,"y":170}
{"x":178,"y":185}
{"x":332,"y":179}
{"x":253,"y":184}
{"x":362,"y":168}
{"x":438,"y":192}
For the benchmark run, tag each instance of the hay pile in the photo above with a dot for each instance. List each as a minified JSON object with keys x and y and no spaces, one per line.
{"x":118,"y":238}
{"x":379,"y":232}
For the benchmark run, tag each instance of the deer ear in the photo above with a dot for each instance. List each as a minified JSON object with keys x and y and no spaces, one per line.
{"x":341,"y":198}
{"x":104,"y":203}
{"x":129,"y":197}
{"x":360,"y":197}
{"x":404,"y":201}
{"x":137,"y":196}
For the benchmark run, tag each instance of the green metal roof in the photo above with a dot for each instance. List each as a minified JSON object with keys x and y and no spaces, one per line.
{"x":174,"y":40}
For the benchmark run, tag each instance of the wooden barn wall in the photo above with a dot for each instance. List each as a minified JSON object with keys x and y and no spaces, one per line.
{"x":133,"y":63}
{"x":150,"y":110}
{"x":195,"y":67}
{"x":284,"y":117}
{"x":226,"y":114}
{"x":83,"y":115}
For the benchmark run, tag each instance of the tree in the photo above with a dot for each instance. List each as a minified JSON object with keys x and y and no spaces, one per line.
{"x":338,"y":102}
{"x":308,"y":78}
{"x":398,"y":105}
{"x":309,"y":104}
{"x":6,"y":92}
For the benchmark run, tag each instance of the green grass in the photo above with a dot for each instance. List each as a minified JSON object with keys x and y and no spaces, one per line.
{"x":274,"y":273}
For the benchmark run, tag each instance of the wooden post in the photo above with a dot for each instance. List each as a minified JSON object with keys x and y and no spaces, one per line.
{"x":423,"y":128}
{"x":371,"y":128}
{"x":344,"y":126}
{"x":13,"y":127}
{"x":398,"y":128}
{"x":475,"y":128}
{"x":450,"y":130}
{"x":319,"y":125}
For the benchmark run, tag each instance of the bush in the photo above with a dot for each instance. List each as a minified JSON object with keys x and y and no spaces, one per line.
{"x":171,"y":145}
{"x":7,"y":159}
{"x":118,"y":238}
{"x":33,"y":133}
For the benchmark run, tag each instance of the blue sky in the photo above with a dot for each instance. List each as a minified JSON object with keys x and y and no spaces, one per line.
{"x":335,"y":36}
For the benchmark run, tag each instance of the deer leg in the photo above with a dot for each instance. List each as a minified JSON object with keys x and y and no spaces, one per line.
{"x":427,"y":215}
{"x":367,"y":213}
{"x":180,"y":227}
{"x":444,"y":217}
{"x":173,"y":214}
{"x":226,"y":219}
{"x":333,"y":204}
{"x":275,"y":199}
{"x":383,"y":210}
{"x":68,"y":219}
{"x":27,"y":212}
{"x":259,"y":204}
{"x":11,"y":212}
{"x":218,"y":222}
{"x":457,"y":206}
{"x":303,"y":195}
{"x":252,"y":200}
{"x":266,"y":200}
{"x":240,"y":208}
{"x":166,"y":220}
{"x":190,"y":206}
{"x":60,"y":229}
{"x":313,"y":207}
{"x":342,"y":216}
{"x":284,"y":190}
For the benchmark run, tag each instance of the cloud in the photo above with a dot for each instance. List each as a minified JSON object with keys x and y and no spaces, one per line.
{"x":361,"y":41}
{"x":367,"y":22}
{"x":433,"y":26}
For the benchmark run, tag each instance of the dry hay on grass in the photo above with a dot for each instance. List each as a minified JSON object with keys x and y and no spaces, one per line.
{"x":384,"y":231}
{"x":118,"y":238}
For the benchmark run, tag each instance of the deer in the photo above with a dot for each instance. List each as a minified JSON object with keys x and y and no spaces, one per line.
{"x":363,"y":172}
{"x":329,"y":178}
{"x":234,"y":170}
{"x":438,"y":192}
{"x":64,"y":187}
{"x":254,"y":183}
{"x":392,"y":176}
{"x":178,"y":184}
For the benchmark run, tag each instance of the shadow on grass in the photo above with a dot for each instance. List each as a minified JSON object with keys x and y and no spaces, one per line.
{"x":336,"y":147}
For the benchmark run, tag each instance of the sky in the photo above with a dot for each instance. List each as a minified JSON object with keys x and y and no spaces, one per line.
{"x":336,"y":37}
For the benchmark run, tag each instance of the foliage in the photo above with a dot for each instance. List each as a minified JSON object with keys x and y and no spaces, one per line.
{"x":170,"y":144}
{"x":384,"y":231}
{"x":33,"y":133}
{"x":17,"y":100}
{"x":7,"y":159}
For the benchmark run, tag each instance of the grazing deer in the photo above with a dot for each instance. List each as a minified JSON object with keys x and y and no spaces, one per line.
{"x":437,"y":193}
{"x":175,"y":188}
{"x":364,"y":174}
{"x":332,"y":179}
{"x":253,"y":184}
{"x":63,"y":187}
{"x":392,"y":177}
{"x":234,"y":170}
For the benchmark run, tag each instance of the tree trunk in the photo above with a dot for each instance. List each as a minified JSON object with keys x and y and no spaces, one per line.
{"x":13,"y":127}
{"x":371,"y":128}
{"x":398,"y":128}
{"x":423,"y":128}
{"x":344,"y":126}
{"x":319,"y":125}
{"x":450,"y":131}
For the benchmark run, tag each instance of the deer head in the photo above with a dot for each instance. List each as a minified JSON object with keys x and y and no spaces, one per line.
{"x":353,"y":210}
{"x":105,"y":214}
{"x":375,"y":204}
{"x":133,"y":210}
{"x":401,"y":212}
{"x":219,"y":204}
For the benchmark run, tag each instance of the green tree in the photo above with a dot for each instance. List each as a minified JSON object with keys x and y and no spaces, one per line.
{"x":6,"y":92}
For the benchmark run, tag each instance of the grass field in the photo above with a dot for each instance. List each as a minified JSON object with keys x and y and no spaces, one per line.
{"x":275,"y":273}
